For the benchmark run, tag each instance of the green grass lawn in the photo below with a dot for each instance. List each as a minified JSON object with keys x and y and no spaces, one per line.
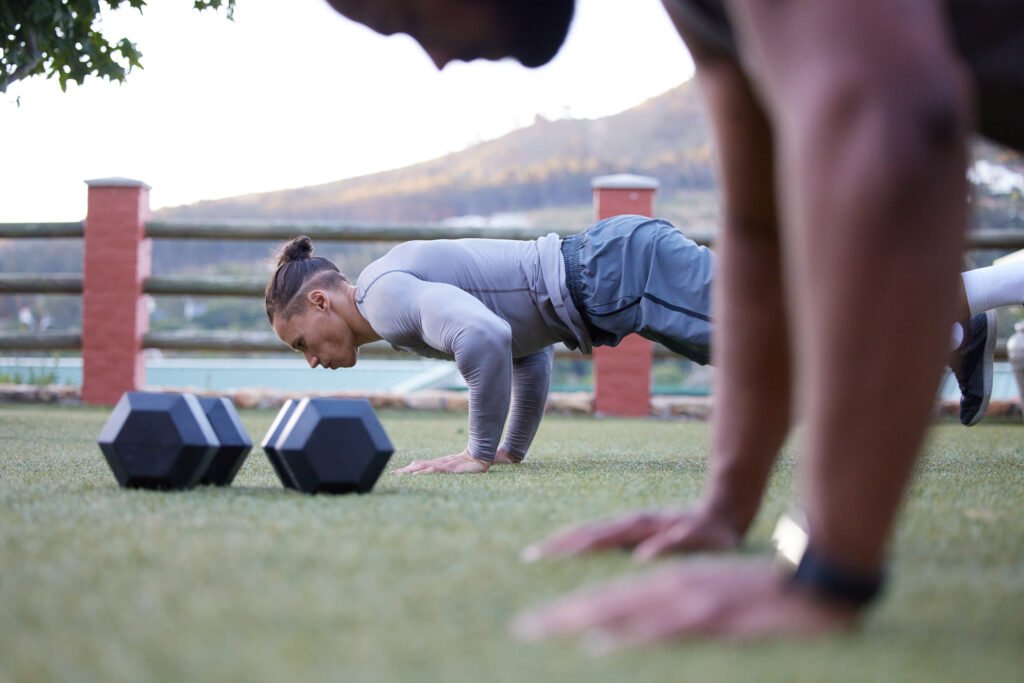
{"x":418,"y":580}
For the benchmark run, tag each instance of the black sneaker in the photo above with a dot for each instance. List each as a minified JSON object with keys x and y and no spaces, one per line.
{"x":971,"y":364}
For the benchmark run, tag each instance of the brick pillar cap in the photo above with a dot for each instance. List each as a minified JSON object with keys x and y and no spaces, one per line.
{"x":116,"y":182}
{"x":624,"y":181}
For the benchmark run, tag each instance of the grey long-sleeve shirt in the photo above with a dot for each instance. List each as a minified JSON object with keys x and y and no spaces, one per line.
{"x":495,"y":307}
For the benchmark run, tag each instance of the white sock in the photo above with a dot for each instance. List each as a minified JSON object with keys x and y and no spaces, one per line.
{"x":994,"y":286}
{"x":958,"y":336}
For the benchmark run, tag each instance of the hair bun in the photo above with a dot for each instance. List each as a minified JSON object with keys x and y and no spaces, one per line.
{"x":299,"y":249}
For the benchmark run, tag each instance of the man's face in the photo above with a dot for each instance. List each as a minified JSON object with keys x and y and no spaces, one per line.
{"x":464,"y":30}
{"x":320,"y":335}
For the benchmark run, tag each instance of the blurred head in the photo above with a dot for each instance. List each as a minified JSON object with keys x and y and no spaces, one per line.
{"x":307,"y":301}
{"x":530,"y":31}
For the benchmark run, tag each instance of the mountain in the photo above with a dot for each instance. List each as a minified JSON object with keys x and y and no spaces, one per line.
{"x":547,"y":164}
{"x":543,"y":173}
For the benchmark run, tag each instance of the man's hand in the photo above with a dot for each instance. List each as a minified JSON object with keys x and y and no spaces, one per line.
{"x":649,"y":533}
{"x":459,"y":463}
{"x":731,"y":599}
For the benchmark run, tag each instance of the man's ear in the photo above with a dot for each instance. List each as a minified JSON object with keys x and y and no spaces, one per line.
{"x":319,"y":299}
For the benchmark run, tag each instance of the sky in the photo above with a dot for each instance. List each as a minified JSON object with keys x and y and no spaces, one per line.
{"x":291,"y":94}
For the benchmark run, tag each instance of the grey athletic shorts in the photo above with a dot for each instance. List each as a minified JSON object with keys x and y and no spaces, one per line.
{"x":636,"y":274}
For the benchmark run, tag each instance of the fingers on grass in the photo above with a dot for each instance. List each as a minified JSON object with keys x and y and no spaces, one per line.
{"x":688,"y":535}
{"x":605,"y":608}
{"x":457,"y":463}
{"x":413,"y":467}
{"x":567,"y":543}
{"x":417,"y":466}
{"x":676,"y":538}
{"x":625,"y":531}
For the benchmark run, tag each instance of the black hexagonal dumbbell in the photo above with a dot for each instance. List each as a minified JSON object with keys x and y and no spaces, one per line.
{"x":331,"y":445}
{"x":235,"y":443}
{"x":158,"y":440}
{"x":269,"y":441}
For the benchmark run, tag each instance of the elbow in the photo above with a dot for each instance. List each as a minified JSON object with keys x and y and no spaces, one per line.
{"x":484,"y":350}
{"x":495,"y":336}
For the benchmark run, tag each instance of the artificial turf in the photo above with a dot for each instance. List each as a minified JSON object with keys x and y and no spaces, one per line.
{"x":418,"y":580}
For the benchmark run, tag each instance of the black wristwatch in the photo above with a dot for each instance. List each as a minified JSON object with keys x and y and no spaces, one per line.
{"x":812,"y":570}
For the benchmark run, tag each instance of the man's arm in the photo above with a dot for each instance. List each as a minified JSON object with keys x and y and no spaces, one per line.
{"x":868,"y":117}
{"x":871,"y":113}
{"x":454,"y":322}
{"x":752,"y":378}
{"x":531,"y":379}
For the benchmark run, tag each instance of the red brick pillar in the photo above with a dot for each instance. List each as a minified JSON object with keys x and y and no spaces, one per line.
{"x":622,"y":375}
{"x":114,"y":311}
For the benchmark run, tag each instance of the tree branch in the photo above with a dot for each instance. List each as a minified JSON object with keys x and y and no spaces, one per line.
{"x":34,"y":56}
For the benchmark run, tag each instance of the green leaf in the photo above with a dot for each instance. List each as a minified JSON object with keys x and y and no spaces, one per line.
{"x":60,"y":38}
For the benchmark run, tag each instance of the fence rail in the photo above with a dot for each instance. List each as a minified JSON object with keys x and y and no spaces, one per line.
{"x":39,"y":283}
{"x":345,"y":231}
{"x":42,"y":230}
{"x":40,"y":341}
{"x":209,"y":286}
{"x":328,"y":231}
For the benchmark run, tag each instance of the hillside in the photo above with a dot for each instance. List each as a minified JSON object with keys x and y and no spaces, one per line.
{"x":547,"y":164}
{"x":543,"y":173}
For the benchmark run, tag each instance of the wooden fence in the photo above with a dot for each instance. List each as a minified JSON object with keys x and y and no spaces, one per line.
{"x":117,"y":234}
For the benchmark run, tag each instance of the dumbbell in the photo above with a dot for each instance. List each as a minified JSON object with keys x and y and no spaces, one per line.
{"x":235,"y":443}
{"x":328,"y":445}
{"x":276,"y":427}
{"x":169,"y":441}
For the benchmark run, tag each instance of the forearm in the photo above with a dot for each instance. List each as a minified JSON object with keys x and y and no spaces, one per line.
{"x":531,"y":379}
{"x":753,"y":380}
{"x":453,"y":322}
{"x":751,"y":344}
{"x":486,"y":364}
{"x":849,"y":439}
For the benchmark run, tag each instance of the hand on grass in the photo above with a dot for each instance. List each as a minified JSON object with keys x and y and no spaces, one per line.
{"x":458,"y":463}
{"x":649,"y":533}
{"x":722,"y":599}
